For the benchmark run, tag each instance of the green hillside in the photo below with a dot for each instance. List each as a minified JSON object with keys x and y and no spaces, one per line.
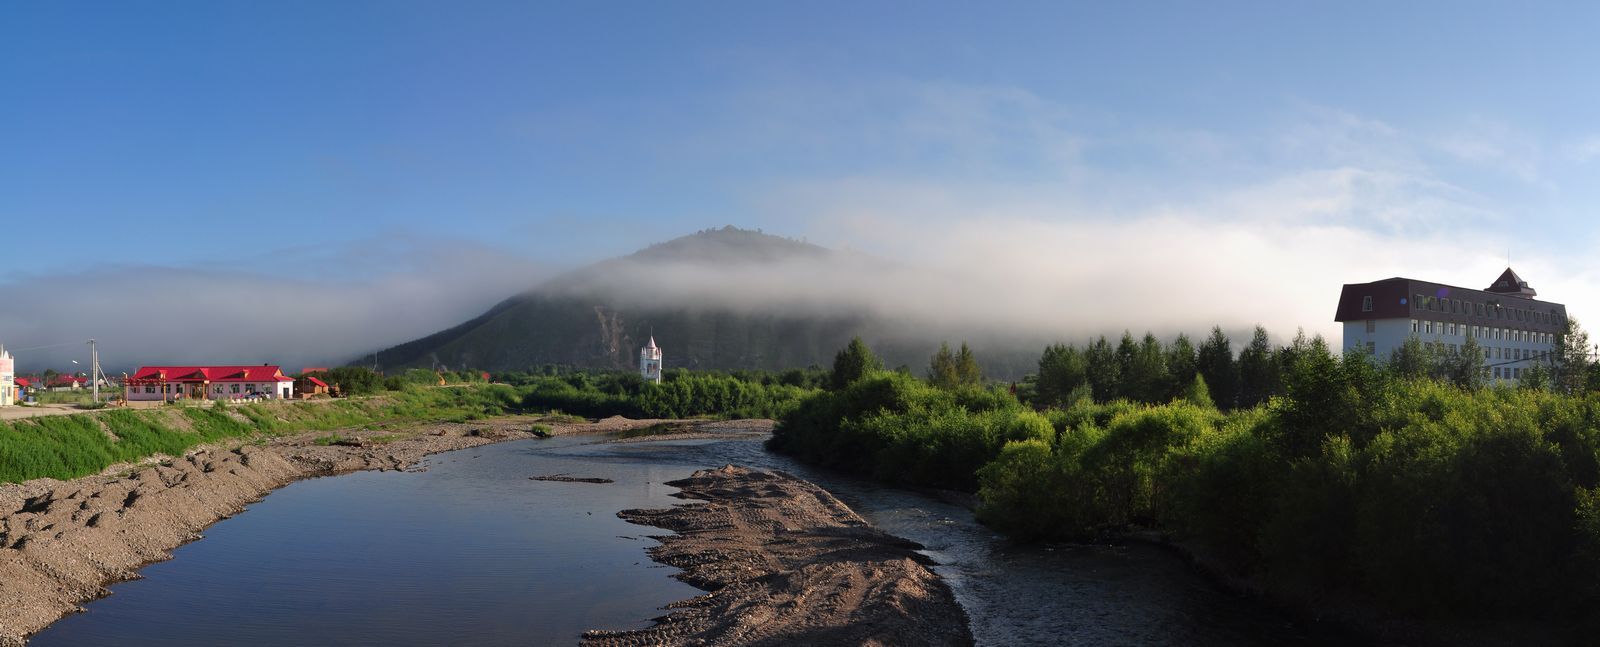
{"x":590,"y":318}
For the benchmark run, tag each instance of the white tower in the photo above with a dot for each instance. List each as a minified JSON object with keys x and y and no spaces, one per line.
{"x":650,"y":362}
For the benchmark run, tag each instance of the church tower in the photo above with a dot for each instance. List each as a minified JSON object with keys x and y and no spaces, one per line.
{"x":650,"y":362}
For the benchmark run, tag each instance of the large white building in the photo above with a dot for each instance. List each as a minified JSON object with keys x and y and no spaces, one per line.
{"x":1514,"y":330}
{"x":650,"y":362}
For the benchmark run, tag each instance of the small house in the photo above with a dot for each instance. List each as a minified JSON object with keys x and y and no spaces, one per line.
{"x":310,"y":386}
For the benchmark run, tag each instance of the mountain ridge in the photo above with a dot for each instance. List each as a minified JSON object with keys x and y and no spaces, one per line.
{"x":597,"y":316}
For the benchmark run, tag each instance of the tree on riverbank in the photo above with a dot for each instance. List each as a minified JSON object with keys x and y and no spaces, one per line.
{"x":1403,"y":486}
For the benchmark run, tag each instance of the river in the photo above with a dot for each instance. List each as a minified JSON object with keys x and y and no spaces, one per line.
{"x":468,"y":551}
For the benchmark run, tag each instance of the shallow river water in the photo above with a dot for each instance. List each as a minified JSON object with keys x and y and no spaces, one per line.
{"x":470,"y":551}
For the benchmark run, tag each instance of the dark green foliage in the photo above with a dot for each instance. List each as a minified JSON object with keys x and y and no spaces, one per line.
{"x":852,"y":363}
{"x":1062,"y":371}
{"x":1104,"y":375}
{"x":953,"y":370}
{"x":1216,"y":364}
{"x":1181,"y":364}
{"x":355,"y":380}
{"x":1259,"y":371}
{"x":1412,"y":495}
{"x":897,"y":428}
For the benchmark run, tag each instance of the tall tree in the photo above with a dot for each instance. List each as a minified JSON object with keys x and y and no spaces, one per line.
{"x":1062,"y":370}
{"x":852,"y":363}
{"x":942,"y":368}
{"x":1216,"y":365}
{"x":1572,"y":358}
{"x":1181,"y":367}
{"x":1104,"y":377}
{"x":1319,"y":401}
{"x":968,"y":373}
{"x":1467,"y":370}
{"x":1127,"y":349}
{"x":1259,"y":377}
{"x":1148,"y":374}
{"x":1410,"y":360}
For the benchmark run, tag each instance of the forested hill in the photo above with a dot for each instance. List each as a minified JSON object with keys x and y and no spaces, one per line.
{"x":598,"y":317}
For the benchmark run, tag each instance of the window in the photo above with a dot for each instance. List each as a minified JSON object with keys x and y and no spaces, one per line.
{"x":1427,"y":327}
{"x":149,"y":389}
{"x":1366,"y":304}
{"x":1413,"y":326}
{"x":1417,"y":301}
{"x":1516,"y":373}
{"x":1372,"y":326}
{"x":1372,"y":348}
{"x":219,"y":388}
{"x":1479,"y":308}
{"x":1497,"y":372}
{"x":234,"y":389}
{"x":1455,"y":306}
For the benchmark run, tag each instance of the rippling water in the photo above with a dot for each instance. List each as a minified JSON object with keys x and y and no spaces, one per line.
{"x":472,"y":552}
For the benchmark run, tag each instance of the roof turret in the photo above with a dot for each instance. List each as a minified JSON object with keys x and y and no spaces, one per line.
{"x":1510,"y":283}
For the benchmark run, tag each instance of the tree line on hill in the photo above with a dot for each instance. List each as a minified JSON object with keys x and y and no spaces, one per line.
{"x":1409,"y":485}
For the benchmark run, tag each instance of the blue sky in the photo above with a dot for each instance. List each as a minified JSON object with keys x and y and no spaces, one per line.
{"x":389,"y":141}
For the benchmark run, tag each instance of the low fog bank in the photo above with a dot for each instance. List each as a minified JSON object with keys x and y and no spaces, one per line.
{"x":1018,"y":282}
{"x":1009,"y":285}
{"x":311,"y":312}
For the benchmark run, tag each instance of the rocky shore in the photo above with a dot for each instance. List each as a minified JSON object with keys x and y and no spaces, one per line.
{"x":63,"y":542}
{"x":787,"y":563}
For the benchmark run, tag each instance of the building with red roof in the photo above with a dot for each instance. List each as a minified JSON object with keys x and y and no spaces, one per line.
{"x":68,"y":382}
{"x":208,"y":383}
{"x":310,"y":386}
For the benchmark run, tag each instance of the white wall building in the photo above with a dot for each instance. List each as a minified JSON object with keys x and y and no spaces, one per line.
{"x":1514,"y":330}
{"x":650,"y":362}
{"x":8,"y":379}
{"x":164,"y":383}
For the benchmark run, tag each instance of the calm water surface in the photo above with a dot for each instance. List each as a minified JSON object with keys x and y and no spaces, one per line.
{"x":471,"y":552}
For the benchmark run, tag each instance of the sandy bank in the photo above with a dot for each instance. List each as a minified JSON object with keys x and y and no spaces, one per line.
{"x":63,"y":542}
{"x":787,"y":563}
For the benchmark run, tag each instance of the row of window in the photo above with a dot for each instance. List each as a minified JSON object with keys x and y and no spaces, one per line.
{"x":1487,"y":310}
{"x":1452,"y":329}
{"x":179,"y":388}
{"x":1489,"y":352}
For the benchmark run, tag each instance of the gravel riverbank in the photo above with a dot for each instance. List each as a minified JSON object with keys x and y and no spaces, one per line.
{"x":787,"y":563}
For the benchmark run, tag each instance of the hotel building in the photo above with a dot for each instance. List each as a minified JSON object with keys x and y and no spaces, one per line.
{"x":1514,"y":330}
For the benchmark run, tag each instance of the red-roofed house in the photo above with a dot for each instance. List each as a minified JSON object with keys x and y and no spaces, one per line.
{"x":208,"y":383}
{"x":65,"y":382}
{"x":310,"y":385}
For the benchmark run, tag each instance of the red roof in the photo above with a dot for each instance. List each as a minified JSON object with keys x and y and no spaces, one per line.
{"x":211,"y":374}
{"x":66,"y":380}
{"x":316,"y":381}
{"x":25,"y":382}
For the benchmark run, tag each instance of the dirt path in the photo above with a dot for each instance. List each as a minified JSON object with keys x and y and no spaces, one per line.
{"x":63,"y":542}
{"x":788,"y":564}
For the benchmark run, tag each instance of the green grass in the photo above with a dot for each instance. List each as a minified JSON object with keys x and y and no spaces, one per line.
{"x":65,"y":447}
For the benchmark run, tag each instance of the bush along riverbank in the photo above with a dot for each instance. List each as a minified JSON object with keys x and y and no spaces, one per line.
{"x":1412,"y":507}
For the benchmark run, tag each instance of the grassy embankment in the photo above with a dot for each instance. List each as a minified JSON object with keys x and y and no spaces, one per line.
{"x":70,"y":446}
{"x":1415,"y":498}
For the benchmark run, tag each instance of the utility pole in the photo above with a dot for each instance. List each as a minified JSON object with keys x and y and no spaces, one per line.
{"x":94,"y":371}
